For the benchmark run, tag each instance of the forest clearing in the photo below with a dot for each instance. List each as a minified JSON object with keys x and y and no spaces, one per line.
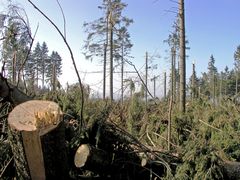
{"x":52,"y":131}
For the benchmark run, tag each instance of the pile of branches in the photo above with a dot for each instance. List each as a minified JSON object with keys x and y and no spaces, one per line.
{"x":105,"y":150}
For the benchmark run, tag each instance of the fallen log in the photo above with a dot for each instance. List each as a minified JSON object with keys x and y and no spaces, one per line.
{"x":11,"y":93}
{"x":92,"y":158}
{"x":37,"y":139}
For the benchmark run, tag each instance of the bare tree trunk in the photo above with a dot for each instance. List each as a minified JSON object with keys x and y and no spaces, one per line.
{"x":165,"y":84}
{"x":236,"y":88}
{"x":146,"y":90}
{"x":14,"y":62}
{"x":122,"y":69}
{"x":54,"y":77}
{"x":193,"y":83}
{"x":105,"y":57}
{"x":173,"y":74}
{"x":111,"y":57}
{"x":43,"y":73}
{"x":104,"y":71}
{"x":182,"y":58}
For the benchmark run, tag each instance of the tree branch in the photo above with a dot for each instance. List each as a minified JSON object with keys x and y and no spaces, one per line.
{"x":72,"y":57}
{"x":131,"y":64}
{"x":64,"y":19}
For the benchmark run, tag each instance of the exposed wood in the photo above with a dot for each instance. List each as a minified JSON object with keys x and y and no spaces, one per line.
{"x":93,"y":159}
{"x":81,"y":155}
{"x":34,"y":155}
{"x":37,"y":128}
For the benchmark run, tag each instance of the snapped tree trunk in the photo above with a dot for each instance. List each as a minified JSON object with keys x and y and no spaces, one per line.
{"x":11,"y":93}
{"x":37,"y":138}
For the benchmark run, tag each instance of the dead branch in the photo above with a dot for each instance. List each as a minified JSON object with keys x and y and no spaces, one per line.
{"x":73,"y":61}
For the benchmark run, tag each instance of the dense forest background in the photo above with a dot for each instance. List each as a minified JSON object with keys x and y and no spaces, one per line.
{"x":197,"y":118}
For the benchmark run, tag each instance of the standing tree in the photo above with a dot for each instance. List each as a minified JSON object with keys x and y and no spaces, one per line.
{"x":54,"y":70}
{"x":16,"y":41}
{"x":44,"y":61}
{"x":123,"y":47}
{"x":212,"y":72}
{"x":35,"y":61}
{"x":194,"y":81}
{"x":182,"y":65}
{"x":105,"y":32}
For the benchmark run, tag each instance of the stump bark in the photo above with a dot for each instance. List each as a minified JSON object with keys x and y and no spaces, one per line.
{"x":37,"y":139}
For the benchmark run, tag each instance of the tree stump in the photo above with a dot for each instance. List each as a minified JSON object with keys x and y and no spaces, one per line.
{"x":37,"y":139}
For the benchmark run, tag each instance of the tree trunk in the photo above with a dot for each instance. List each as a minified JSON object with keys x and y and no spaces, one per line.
{"x":236,"y":88}
{"x":182,"y":58}
{"x":104,"y":71}
{"x":146,"y":81}
{"x":54,"y":77}
{"x":193,"y":83}
{"x":14,"y":66}
{"x":111,"y":57}
{"x":164,"y":86}
{"x":43,"y":73}
{"x":11,"y":93}
{"x":93,"y":159}
{"x":122,"y":69}
{"x":37,"y":138}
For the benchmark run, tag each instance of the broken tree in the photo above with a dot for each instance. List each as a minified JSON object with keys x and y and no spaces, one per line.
{"x":37,"y":138}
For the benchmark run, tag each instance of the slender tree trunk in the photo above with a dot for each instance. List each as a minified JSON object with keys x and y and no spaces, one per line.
{"x":122,"y":69}
{"x":178,"y":83}
{"x":111,"y":57}
{"x":104,"y":71}
{"x":37,"y":77}
{"x":182,"y":58}
{"x":173,"y":74}
{"x":193,"y":84}
{"x":14,"y":67}
{"x":43,"y":73}
{"x":236,"y":88}
{"x":165,"y":84}
{"x":221,"y":87}
{"x":54,"y":77}
{"x":170,"y":121}
{"x":105,"y":56}
{"x":146,"y":83}
{"x":214,"y":89}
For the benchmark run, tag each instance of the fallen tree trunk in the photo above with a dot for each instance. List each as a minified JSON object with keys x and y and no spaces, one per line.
{"x":94,"y":159}
{"x":37,"y":138}
{"x":11,"y":93}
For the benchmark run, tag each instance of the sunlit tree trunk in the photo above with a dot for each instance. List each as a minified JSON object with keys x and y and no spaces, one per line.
{"x":182,"y":58}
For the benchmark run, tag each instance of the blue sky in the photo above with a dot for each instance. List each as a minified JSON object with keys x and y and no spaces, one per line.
{"x":212,"y":27}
